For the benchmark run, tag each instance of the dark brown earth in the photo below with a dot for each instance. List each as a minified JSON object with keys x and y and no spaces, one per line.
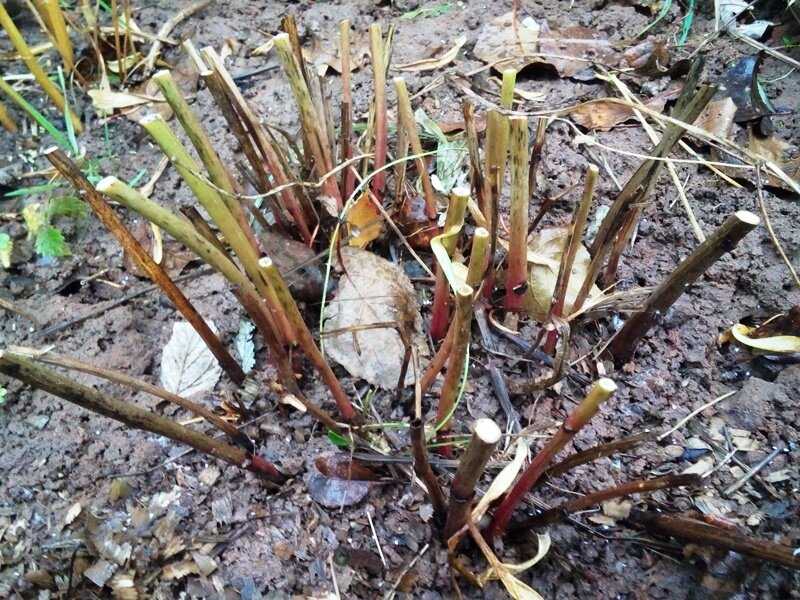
{"x":55,"y":454}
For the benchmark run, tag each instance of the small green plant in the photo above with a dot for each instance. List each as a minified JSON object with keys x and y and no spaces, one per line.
{"x":41,"y":223}
{"x":2,"y":395}
{"x":436,"y":10}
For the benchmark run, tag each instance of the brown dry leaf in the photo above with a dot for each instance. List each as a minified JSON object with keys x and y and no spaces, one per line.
{"x":544,"y":255}
{"x":324,"y":52}
{"x":187,"y":365}
{"x":576,"y":45}
{"x":500,"y":41}
{"x":430,"y":64}
{"x":107,"y":101}
{"x":717,"y":117}
{"x":373,"y":291}
{"x":365,"y":221}
{"x":174,"y":256}
{"x":335,"y":480}
{"x":604,"y":115}
{"x":649,"y":57}
{"x":774,"y":149}
{"x":123,"y":586}
{"x":185,"y":76}
{"x":617,"y":509}
{"x":179,"y":570}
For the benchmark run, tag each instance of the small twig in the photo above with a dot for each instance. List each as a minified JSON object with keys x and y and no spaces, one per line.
{"x":762,"y":205}
{"x":753,"y":471}
{"x":393,"y":592}
{"x":15,"y":308}
{"x":377,"y":542}
{"x":694,"y":413}
{"x":599,"y":451}
{"x":423,"y":470}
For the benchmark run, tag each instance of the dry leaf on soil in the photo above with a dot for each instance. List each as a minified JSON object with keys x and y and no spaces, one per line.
{"x":499,"y":40}
{"x":604,"y":115}
{"x":365,"y":221}
{"x":173,"y":255}
{"x":335,"y":480}
{"x":717,"y":117}
{"x":574,"y":46}
{"x":437,"y":62}
{"x":187,"y":365}
{"x":544,"y":255}
{"x":373,"y":291}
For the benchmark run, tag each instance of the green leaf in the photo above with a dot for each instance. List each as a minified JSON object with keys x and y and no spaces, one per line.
{"x":430,"y":11}
{"x":67,"y":206}
{"x":33,"y":189}
{"x":337,"y":439}
{"x":6,"y":247}
{"x":50,"y":242}
{"x":34,"y":217}
{"x":244,"y":345}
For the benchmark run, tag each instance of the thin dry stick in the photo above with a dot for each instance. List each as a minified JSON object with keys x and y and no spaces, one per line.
{"x":423,"y":470}
{"x":599,"y":451}
{"x":694,"y":413}
{"x":485,"y":435}
{"x":35,"y":68}
{"x":67,"y":362}
{"x":697,"y":532}
{"x":306,"y":340}
{"x":406,"y":117}
{"x":149,"y":61}
{"x":644,"y":486}
{"x":455,"y":363}
{"x":377,"y":52}
{"x":197,"y":134}
{"x":601,"y":391}
{"x":762,"y":205}
{"x":6,"y":120}
{"x":25,"y":370}
{"x":723,"y":240}
{"x":517,"y":260}
{"x":70,"y":171}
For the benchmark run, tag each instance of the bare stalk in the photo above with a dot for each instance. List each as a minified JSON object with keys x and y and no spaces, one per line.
{"x":25,"y":370}
{"x":517,"y":260}
{"x":478,"y":183}
{"x":306,"y":340}
{"x":485,"y":436}
{"x":438,"y":361}
{"x":423,"y":470}
{"x":441,"y":294}
{"x":721,"y":241}
{"x":6,"y":120}
{"x":478,"y":257}
{"x":379,"y":77}
{"x":24,"y":51}
{"x":70,"y":171}
{"x":455,"y":363}
{"x":346,"y":133}
{"x":599,"y":451}
{"x":51,"y":12}
{"x":406,"y":117}
{"x":600,"y":392}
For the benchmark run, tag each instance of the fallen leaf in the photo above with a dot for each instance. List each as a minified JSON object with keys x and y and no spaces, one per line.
{"x":430,"y":64}
{"x":179,"y":570}
{"x":502,"y":482}
{"x":604,"y":115}
{"x":245,"y":348}
{"x":572,"y":49}
{"x":365,"y":221}
{"x":100,"y":572}
{"x":333,"y":481}
{"x":123,"y":587}
{"x":649,"y":57}
{"x":701,"y":467}
{"x":187,"y":365}
{"x":777,"y":344}
{"x":205,"y":564}
{"x":544,"y":255}
{"x":174,"y":256}
{"x":617,"y":509}
{"x":773,"y":149}
{"x":505,"y":45}
{"x":107,"y":101}
{"x":72,"y":513}
{"x":717,"y":117}
{"x":373,"y":291}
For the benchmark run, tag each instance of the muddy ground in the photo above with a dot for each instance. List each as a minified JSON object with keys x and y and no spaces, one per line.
{"x":55,"y":455}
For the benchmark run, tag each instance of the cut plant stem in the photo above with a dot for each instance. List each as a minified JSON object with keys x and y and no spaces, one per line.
{"x":457,"y":357}
{"x":377,"y":52}
{"x":312,"y":123}
{"x":6,"y":120}
{"x":478,"y":257}
{"x":51,"y":13}
{"x":580,"y":416}
{"x":478,"y":183}
{"x":67,"y":362}
{"x":25,"y":370}
{"x":70,"y":171}
{"x":306,"y":340}
{"x":211,"y":200}
{"x":406,"y":117}
{"x":722,"y":240}
{"x":643,"y":486}
{"x":24,"y":51}
{"x":570,"y":252}
{"x":440,"y":314}
{"x":197,"y":240}
{"x":485,"y":436}
{"x":196,"y":133}
{"x":204,"y":229}
{"x":438,"y":361}
{"x":537,"y":151}
{"x":697,"y":532}
{"x":346,"y":125}
{"x":599,"y":451}
{"x":517,"y":260}
{"x":423,"y":470}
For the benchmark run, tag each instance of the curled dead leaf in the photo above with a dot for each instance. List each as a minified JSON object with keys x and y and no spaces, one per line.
{"x":364,"y":220}
{"x":437,"y":62}
{"x":776,"y":344}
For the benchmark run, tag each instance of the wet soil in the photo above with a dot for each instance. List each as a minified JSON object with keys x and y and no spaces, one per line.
{"x":283,"y":544}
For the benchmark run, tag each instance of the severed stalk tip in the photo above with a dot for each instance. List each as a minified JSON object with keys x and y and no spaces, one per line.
{"x":150,"y":118}
{"x":50,"y":150}
{"x":745,"y":216}
{"x":462,"y":191}
{"x":603,"y":387}
{"x":106,"y":183}
{"x":162,"y":74}
{"x":265,"y":262}
{"x":488,"y":431}
{"x":465,"y":291}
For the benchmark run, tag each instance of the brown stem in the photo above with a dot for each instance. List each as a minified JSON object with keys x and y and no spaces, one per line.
{"x":643,"y":486}
{"x":379,"y":78}
{"x":697,"y":532}
{"x":70,"y":171}
{"x":346,"y":127}
{"x":306,"y":340}
{"x":438,"y":361}
{"x":517,"y":259}
{"x":6,"y":120}
{"x":600,"y":392}
{"x":476,"y":178}
{"x":536,"y":154}
{"x":485,"y":435}
{"x":423,"y":470}
{"x":21,"y":368}
{"x":204,"y":229}
{"x":455,"y":363}
{"x":599,"y":451}
{"x":723,"y":240}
